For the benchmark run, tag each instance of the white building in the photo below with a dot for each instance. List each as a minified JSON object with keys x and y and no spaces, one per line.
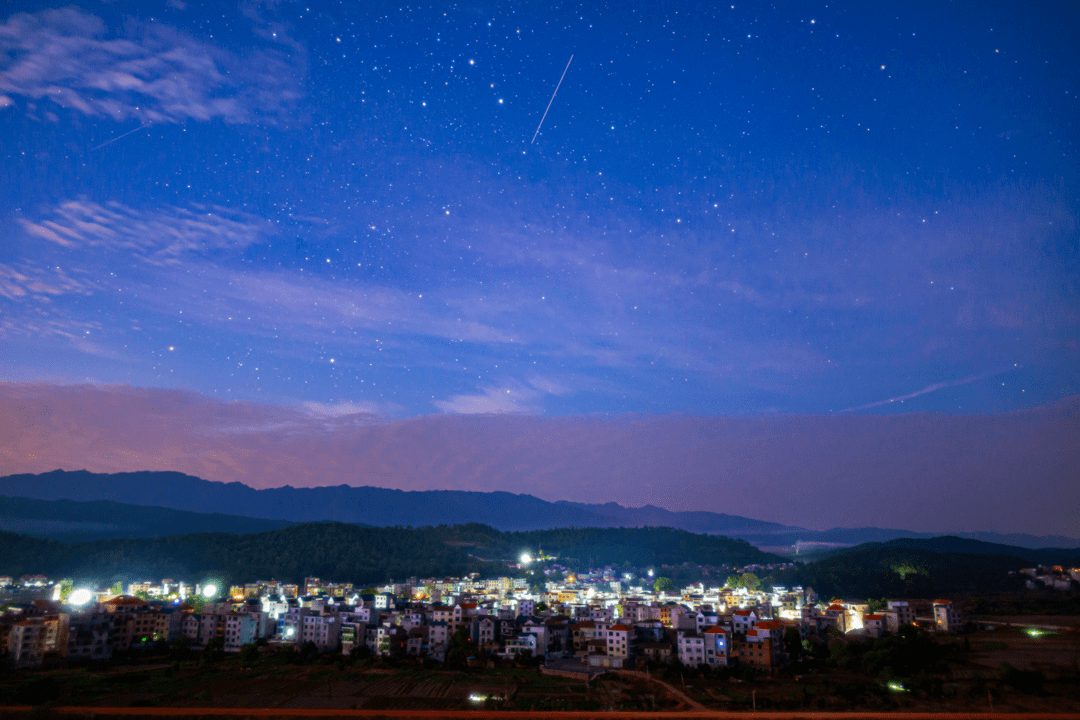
{"x":691,"y":648}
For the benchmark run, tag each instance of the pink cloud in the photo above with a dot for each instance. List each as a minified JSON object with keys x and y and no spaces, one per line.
{"x":1012,"y":472}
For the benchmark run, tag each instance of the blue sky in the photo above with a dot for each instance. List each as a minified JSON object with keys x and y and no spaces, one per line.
{"x":729,"y":209}
{"x":773,"y":260}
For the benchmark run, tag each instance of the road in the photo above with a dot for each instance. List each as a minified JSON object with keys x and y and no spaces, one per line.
{"x":100,"y":713}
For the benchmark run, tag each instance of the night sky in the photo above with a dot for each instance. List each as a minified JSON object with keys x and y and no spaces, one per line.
{"x":339,"y":218}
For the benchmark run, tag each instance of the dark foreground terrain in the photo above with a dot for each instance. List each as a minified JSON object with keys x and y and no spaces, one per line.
{"x":1008,"y":670}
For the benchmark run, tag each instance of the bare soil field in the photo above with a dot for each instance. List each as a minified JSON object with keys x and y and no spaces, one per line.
{"x":1072,"y":621}
{"x":1042,"y":675}
{"x":1054,"y":653}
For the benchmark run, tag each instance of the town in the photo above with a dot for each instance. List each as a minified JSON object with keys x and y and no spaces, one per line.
{"x":579,"y":623}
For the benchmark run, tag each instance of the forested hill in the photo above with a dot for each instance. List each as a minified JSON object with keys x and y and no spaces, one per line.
{"x":362,"y":555}
{"x":880,"y":571}
{"x":953,"y":544}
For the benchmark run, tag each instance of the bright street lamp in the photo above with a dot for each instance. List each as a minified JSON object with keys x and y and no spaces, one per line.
{"x":209,"y":591}
{"x":80,"y":597}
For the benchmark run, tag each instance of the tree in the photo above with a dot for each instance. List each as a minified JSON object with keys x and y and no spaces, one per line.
{"x":792,"y":642}
{"x":215,"y":648}
{"x":461,"y":647}
{"x":180,"y":646}
{"x":662,"y":584}
{"x":749,"y":581}
{"x":249,"y":654}
{"x":309,"y":650}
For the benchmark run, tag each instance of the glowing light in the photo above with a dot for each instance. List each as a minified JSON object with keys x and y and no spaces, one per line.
{"x":80,"y":597}
{"x":209,"y":591}
{"x":897,"y":687}
{"x":525,"y":558}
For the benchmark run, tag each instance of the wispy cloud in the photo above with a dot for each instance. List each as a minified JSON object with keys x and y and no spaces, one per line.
{"x":508,"y":397}
{"x":162,"y":236}
{"x":157,"y":74}
{"x":929,"y":389}
{"x":29,"y":281}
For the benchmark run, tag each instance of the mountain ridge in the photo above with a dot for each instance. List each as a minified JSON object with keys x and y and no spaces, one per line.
{"x":387,"y":507}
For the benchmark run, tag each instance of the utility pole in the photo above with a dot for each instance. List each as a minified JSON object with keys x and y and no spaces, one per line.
{"x":753,"y":698}
{"x":990,"y":700}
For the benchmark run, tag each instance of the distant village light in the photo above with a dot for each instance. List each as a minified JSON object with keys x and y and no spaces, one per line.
{"x":525,"y":558}
{"x":209,"y":591}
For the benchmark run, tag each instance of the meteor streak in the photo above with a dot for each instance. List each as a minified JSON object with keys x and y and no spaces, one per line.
{"x":551,"y":100}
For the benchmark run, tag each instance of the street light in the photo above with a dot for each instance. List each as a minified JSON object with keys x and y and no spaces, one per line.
{"x":525,"y":558}
{"x":209,"y":591}
{"x":80,"y":597}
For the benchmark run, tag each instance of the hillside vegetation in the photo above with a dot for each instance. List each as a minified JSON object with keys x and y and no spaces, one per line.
{"x":362,"y":555}
{"x":880,"y":571}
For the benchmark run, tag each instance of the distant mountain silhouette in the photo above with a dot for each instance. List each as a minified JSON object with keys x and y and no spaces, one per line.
{"x":75,"y":521}
{"x":384,"y":507}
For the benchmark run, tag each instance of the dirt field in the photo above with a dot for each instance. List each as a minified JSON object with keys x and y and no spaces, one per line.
{"x":321,"y":687}
{"x":1071,"y":621}
{"x":24,"y":713}
{"x":973,"y":679}
{"x":1053,"y":653}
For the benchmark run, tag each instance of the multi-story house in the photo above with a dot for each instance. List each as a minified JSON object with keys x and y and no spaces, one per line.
{"x":240,"y":630}
{"x":390,"y":640}
{"x":482,"y":630}
{"x":323,"y":630}
{"x":772,"y":629}
{"x":742,"y":621}
{"x":439,"y":640}
{"x":31,"y":640}
{"x":691,"y":648}
{"x":717,"y":646}
{"x":754,"y":652}
{"x":352,"y":634}
{"x":290,"y":626}
{"x":88,"y":639}
{"x":618,"y":640}
{"x":416,"y":643}
{"x":947,"y":616}
{"x":903,"y":612}
{"x":838,"y":615}
{"x":657,"y":652}
{"x":523,"y":644}
{"x":874,"y":625}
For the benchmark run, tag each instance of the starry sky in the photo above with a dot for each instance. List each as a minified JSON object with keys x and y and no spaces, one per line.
{"x":352,"y":213}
